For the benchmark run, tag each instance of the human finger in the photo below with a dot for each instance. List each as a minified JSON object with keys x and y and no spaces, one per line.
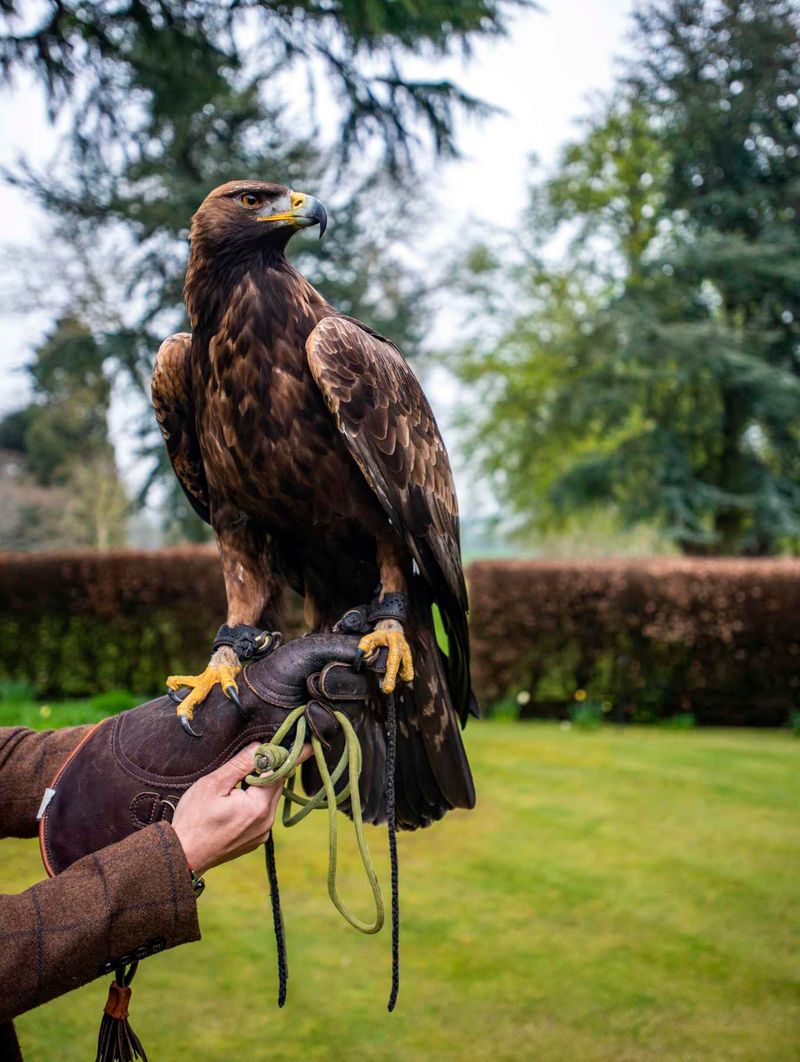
{"x":226,"y":777}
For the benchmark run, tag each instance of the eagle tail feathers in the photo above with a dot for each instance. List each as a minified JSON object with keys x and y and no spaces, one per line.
{"x":432,"y":774}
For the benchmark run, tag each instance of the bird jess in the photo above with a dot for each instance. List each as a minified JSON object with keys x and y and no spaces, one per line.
{"x":303,"y":437}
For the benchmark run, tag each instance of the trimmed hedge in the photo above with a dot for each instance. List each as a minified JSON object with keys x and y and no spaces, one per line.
{"x":78,"y":622}
{"x":644,"y":639}
{"x":74,"y":623}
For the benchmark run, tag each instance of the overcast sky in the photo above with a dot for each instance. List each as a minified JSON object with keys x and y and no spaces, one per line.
{"x":542,"y":76}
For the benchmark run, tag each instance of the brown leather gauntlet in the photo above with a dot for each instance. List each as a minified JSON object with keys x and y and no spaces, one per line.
{"x":131,"y":770}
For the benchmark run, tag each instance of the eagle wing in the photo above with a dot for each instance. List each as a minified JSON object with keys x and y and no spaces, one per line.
{"x":171,"y":392}
{"x":392,"y":434}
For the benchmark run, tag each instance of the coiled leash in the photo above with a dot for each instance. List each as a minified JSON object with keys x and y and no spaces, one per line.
{"x":275,"y":763}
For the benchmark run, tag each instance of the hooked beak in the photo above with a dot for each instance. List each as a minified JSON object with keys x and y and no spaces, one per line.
{"x":306,"y":211}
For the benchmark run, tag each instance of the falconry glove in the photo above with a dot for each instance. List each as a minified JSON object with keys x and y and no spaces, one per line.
{"x":133,"y":768}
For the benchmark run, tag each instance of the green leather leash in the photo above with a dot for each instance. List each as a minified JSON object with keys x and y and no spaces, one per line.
{"x":275,"y":763}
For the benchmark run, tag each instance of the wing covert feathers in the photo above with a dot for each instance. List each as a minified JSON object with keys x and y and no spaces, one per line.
{"x":171,"y":392}
{"x":381,"y":410}
{"x":392,"y":434}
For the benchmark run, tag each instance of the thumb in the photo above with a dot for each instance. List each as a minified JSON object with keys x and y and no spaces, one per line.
{"x":226,"y":777}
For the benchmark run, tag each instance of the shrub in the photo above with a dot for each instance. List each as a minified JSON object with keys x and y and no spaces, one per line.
{"x":82,"y":622}
{"x":654,"y":638}
{"x":644,"y":640}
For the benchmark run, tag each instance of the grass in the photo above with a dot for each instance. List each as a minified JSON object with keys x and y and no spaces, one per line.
{"x":17,"y":708}
{"x":617,"y":895}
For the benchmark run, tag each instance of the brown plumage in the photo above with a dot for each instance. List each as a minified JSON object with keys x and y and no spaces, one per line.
{"x":304,"y":439}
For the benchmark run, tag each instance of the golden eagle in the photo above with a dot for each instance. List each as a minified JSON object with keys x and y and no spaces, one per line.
{"x":303,"y":437}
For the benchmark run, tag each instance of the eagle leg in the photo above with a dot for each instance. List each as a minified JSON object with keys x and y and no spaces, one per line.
{"x":223,"y":667}
{"x":389,"y":634}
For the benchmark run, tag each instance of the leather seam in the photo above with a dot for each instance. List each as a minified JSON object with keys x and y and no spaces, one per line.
{"x":44,"y":842}
{"x":183,"y":781}
{"x":289,"y":702}
{"x":140,"y":825}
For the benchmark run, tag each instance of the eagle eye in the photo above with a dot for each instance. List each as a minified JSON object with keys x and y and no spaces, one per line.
{"x":248,"y":199}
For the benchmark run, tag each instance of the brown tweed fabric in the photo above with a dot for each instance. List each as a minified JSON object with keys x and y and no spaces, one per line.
{"x":29,"y":761}
{"x":132,"y":896}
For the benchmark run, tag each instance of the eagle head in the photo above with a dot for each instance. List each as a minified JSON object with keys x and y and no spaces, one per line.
{"x":242,"y":215}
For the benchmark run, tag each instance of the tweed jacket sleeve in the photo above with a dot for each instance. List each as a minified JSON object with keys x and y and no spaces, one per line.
{"x":127,"y":901}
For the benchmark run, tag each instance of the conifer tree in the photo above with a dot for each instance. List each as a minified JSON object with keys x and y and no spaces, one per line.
{"x":655,"y":371}
{"x":161,"y":100}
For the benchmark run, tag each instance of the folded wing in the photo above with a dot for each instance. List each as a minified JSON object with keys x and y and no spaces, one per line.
{"x":171,"y":392}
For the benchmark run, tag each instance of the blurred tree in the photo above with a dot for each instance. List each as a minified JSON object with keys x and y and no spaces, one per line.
{"x":163,"y":100}
{"x":13,"y":428}
{"x":115,"y":69}
{"x":656,"y":371}
{"x":722,"y":81}
{"x":62,"y":440}
{"x":29,"y":515}
{"x":95,"y":511}
{"x":68,"y":417}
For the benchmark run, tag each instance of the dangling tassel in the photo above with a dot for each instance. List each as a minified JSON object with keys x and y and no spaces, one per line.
{"x":391,"y":814}
{"x":277,"y":918}
{"x":117,"y":1041}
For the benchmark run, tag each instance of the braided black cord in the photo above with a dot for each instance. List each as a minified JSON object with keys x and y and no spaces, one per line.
{"x":391,"y":753}
{"x":277,"y":918}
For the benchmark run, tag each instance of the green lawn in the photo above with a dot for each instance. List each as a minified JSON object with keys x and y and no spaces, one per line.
{"x":617,"y":894}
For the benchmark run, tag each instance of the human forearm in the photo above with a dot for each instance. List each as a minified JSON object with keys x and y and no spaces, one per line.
{"x":61,"y":933}
{"x":126,"y":900}
{"x":29,"y":761}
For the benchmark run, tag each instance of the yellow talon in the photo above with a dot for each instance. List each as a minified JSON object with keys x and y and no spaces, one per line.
{"x":399,"y":657}
{"x":202,"y":685}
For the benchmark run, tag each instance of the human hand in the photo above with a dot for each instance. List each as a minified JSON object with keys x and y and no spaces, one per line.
{"x":216,"y":822}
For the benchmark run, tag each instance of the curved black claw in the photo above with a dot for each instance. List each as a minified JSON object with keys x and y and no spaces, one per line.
{"x":358,"y":660}
{"x":173,"y":696}
{"x":233,"y":694}
{"x":187,"y":726}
